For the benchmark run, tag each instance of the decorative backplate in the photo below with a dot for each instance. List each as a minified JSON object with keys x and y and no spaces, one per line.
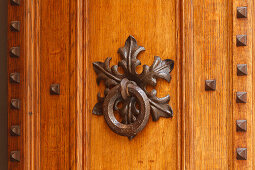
{"x":127,"y":104}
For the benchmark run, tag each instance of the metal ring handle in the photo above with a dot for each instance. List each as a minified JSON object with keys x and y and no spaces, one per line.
{"x":132,"y":129}
{"x":123,"y":91}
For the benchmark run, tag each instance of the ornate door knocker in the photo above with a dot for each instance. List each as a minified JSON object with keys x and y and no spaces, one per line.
{"x":126,"y":93}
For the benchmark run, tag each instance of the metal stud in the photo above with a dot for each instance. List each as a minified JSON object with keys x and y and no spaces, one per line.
{"x":15,"y":2}
{"x":241,"y":97}
{"x":15,"y":104}
{"x":242,"y":69}
{"x":15,"y":26}
{"x":54,"y":89}
{"x":15,"y":156}
{"x":241,"y":12}
{"x":15,"y":52}
{"x":241,"y":125}
{"x":241,"y":40}
{"x":15,"y":130}
{"x":241,"y":153}
{"x":210,"y":85}
{"x":15,"y":77}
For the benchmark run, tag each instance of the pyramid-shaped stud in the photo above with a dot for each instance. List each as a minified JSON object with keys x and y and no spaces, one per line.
{"x":241,"y":153}
{"x":15,"y":104}
{"x":241,"y":12}
{"x":15,"y":130}
{"x":241,"y":40}
{"x":15,"y":52}
{"x":241,"y":97}
{"x":242,"y":69}
{"x":210,"y":85}
{"x":241,"y":125}
{"x":54,"y":89}
{"x":15,"y":2}
{"x":15,"y":156}
{"x":15,"y":77}
{"x":15,"y":26}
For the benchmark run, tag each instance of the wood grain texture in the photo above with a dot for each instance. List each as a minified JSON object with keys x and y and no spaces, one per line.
{"x":31,"y":80}
{"x":242,"y":55}
{"x":252,"y":13}
{"x":62,"y":55}
{"x":212,"y":109}
{"x":187,"y":67}
{"x":109,"y":24}
{"x":55,"y":60}
{"x":62,"y":38}
{"x":16,"y":117}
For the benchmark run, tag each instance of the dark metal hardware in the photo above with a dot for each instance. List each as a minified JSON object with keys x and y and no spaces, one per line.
{"x":54,"y":89}
{"x":15,"y":52}
{"x":15,"y":77}
{"x":241,"y":153}
{"x":241,"y":40}
{"x":126,"y":93}
{"x":15,"y":156}
{"x":241,"y":12}
{"x":242,"y":69}
{"x":241,"y":97}
{"x":15,"y":2}
{"x":15,"y":104}
{"x":15,"y":26}
{"x":15,"y":130}
{"x":241,"y":125}
{"x":210,"y":85}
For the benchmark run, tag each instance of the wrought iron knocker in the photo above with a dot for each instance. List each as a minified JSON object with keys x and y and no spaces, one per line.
{"x":129,"y":89}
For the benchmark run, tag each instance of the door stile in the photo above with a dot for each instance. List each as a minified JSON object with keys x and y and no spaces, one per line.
{"x":242,"y":110}
{"x":16,"y":93}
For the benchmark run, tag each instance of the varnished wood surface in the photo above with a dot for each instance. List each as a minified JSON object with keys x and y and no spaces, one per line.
{"x":60,"y":40}
{"x":3,"y":90}
{"x":212,"y":109}
{"x":109,"y":24}
{"x":243,"y":83}
{"x":16,"y":117}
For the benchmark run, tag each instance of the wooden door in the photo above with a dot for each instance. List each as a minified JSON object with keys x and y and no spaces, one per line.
{"x":52,"y":87}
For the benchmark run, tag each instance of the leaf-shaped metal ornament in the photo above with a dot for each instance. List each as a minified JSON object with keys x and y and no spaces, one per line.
{"x":126,"y":93}
{"x":110,"y":76}
{"x":129,"y":55}
{"x":160,"y":106}
{"x":159,"y":69}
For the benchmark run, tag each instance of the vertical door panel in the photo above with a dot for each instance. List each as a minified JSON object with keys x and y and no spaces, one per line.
{"x":153,"y":24}
{"x":212,"y":60}
{"x":54,"y":68}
